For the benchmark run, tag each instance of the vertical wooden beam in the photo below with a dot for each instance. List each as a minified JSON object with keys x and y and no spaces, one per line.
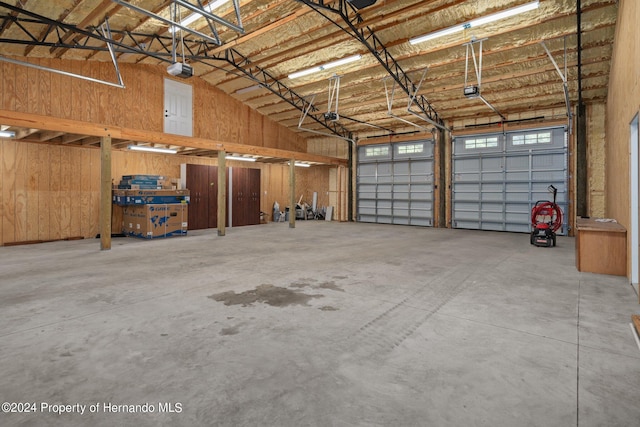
{"x":292,"y":193}
{"x":441,"y":183}
{"x":222,"y":192}
{"x":351,"y":198}
{"x":105,"y":193}
{"x":582,"y":208}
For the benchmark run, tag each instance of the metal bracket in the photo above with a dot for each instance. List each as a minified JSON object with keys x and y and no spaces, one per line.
{"x":106,"y":33}
{"x":477,"y":66}
{"x":390,"y":95}
{"x":334,"y":96}
{"x":305,"y":112}
{"x":565,"y":87}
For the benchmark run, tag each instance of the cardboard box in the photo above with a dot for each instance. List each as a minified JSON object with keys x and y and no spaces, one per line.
{"x":155,"y":221}
{"x":123,"y":197}
{"x":145,"y":177}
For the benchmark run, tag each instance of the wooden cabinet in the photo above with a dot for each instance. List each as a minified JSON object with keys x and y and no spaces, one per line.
{"x":245,"y":190}
{"x":202,"y":182}
{"x":601,"y":247}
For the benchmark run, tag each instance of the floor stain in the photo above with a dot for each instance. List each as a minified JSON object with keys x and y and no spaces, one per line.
{"x":230,"y":331}
{"x":325,"y":285}
{"x":273,"y":295}
{"x":300,"y":285}
{"x":328,"y":308}
{"x":66,"y":354}
{"x":331,"y":285}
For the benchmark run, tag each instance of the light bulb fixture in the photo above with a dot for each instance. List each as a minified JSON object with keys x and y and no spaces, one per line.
{"x":195,"y":16}
{"x":477,"y":22}
{"x":241,"y":158}
{"x":7,"y":134}
{"x":326,"y":66}
{"x":152,"y":149}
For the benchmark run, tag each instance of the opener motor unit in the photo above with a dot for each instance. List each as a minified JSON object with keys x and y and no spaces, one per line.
{"x":471,"y":91}
{"x":179,"y":69}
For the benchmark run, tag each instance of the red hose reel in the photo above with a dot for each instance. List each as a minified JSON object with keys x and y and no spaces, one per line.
{"x":546,"y":219}
{"x":546,"y":214}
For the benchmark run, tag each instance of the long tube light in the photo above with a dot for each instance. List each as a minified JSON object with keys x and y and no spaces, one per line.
{"x":240,"y":158}
{"x":300,"y":164}
{"x":7,"y":134}
{"x":152,"y":149}
{"x":326,"y":66}
{"x":195,"y":16}
{"x":477,"y":22}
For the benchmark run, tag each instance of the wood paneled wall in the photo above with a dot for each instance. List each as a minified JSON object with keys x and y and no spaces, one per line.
{"x":50,"y":192}
{"x":140,"y":105}
{"x":338,"y":185}
{"x":623,"y":104}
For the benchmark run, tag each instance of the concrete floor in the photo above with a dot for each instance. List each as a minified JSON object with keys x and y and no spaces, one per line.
{"x":327,"y":324}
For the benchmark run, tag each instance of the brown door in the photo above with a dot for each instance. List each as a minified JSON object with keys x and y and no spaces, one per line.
{"x":246,"y":196}
{"x":240,"y":179}
{"x":254,"y":196}
{"x":198,"y":185}
{"x":202,"y":182}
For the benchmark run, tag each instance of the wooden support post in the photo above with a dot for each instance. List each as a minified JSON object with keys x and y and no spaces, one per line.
{"x":222,"y":192}
{"x":582,"y":208}
{"x":105,"y":193}
{"x":292,"y":193}
{"x":441,"y":183}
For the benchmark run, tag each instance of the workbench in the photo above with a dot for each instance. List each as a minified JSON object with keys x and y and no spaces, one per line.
{"x":601,"y":247}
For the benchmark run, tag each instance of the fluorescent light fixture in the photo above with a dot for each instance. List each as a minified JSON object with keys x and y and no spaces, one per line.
{"x":7,"y":134}
{"x":248,"y":89}
{"x":195,"y":16}
{"x":241,"y":158}
{"x":152,"y":149}
{"x":299,"y":164}
{"x":326,"y":66}
{"x":477,"y":22}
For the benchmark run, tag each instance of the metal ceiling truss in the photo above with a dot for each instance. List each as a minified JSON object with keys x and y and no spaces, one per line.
{"x":563,"y":76}
{"x":102,"y":33}
{"x":141,"y":44}
{"x":267,"y":81}
{"x":56,"y":32}
{"x":368,"y":38}
{"x":199,"y":9}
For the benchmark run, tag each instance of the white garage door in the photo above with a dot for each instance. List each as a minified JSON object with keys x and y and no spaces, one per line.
{"x":497,"y":178}
{"x":395,"y":183}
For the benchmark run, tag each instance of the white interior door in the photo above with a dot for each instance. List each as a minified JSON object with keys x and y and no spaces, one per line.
{"x":178,"y":108}
{"x":635,"y":203}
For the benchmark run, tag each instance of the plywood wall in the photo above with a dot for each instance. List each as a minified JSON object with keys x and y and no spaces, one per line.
{"x":338,"y":183}
{"x":140,"y":105}
{"x":623,"y":103}
{"x":50,"y":192}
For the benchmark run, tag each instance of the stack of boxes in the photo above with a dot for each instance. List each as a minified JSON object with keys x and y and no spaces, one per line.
{"x":151,"y":206}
